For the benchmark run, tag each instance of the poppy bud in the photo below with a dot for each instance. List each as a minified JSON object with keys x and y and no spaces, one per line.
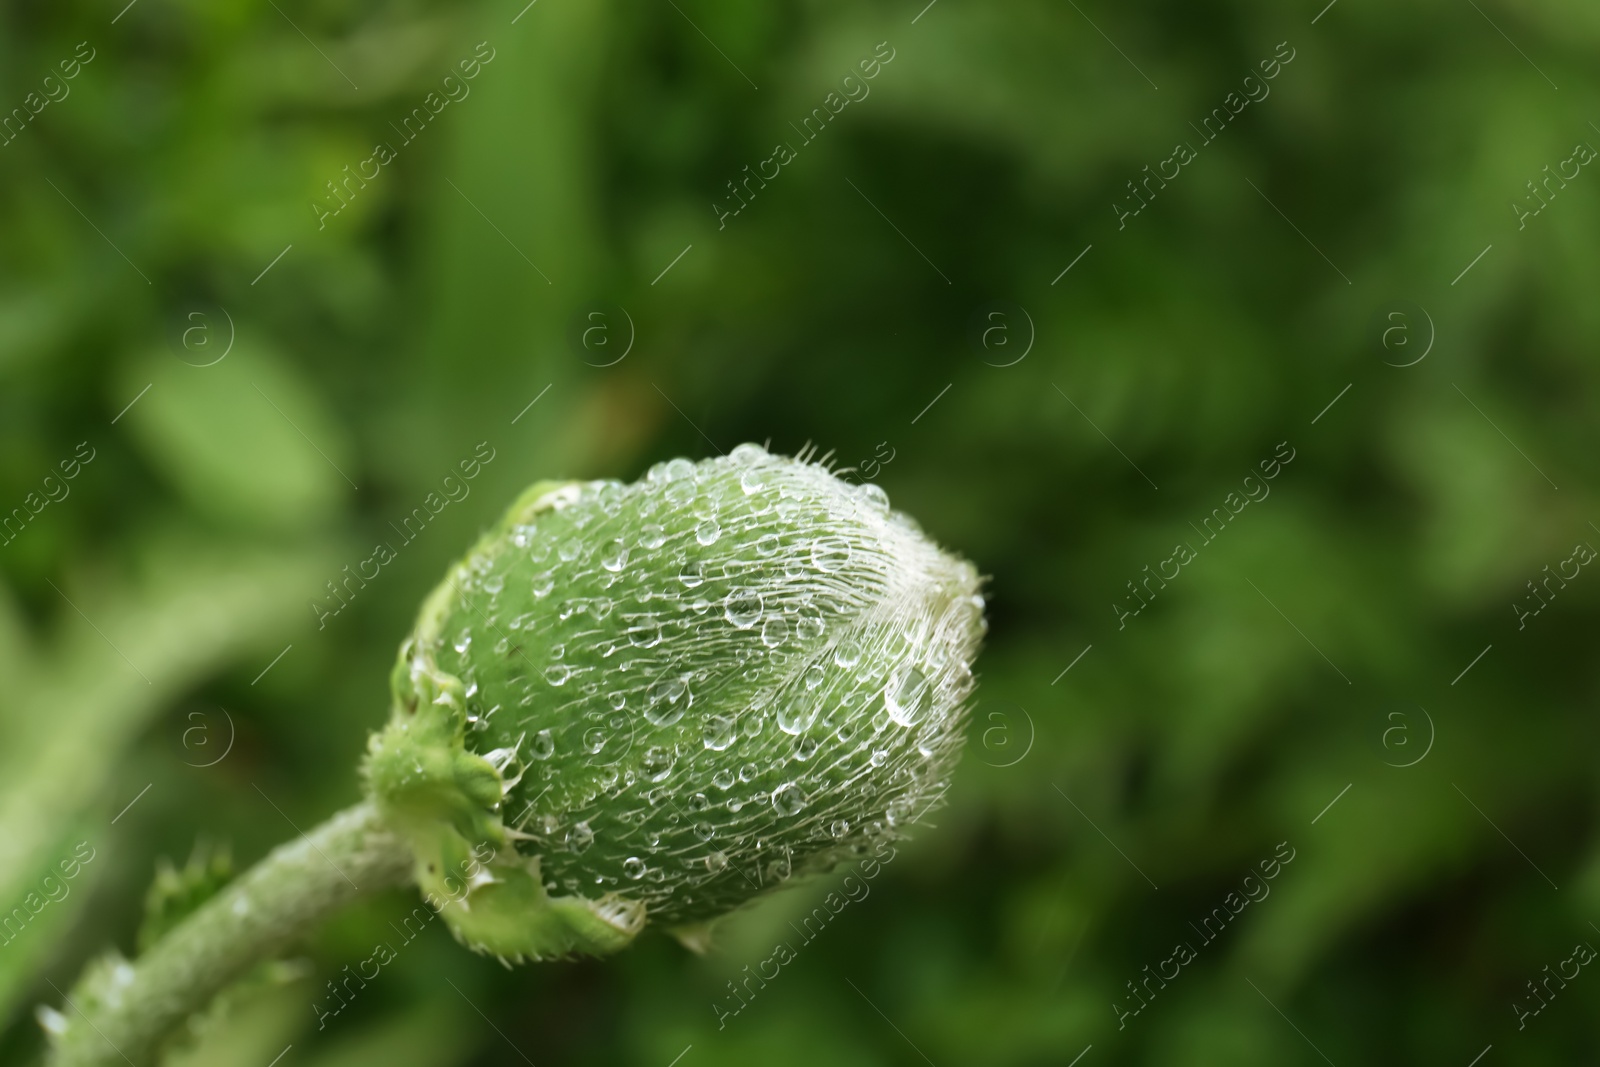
{"x":655,"y":701}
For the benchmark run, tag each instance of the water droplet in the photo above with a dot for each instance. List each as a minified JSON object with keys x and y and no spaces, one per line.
{"x":735,"y":803}
{"x":677,"y":470}
{"x":704,"y":831}
{"x":753,"y":481}
{"x":767,"y":544}
{"x":679,"y":494}
{"x":723,"y":779}
{"x":494,"y":583}
{"x":600,"y":607}
{"x":645,"y":636}
{"x":570,"y":549}
{"x":463,"y":641}
{"x":774,"y":631}
{"x":839,"y":827}
{"x":748,"y":772}
{"x":557,"y":673}
{"x":580,"y":837}
{"x":543,"y":583}
{"x":692,"y":573}
{"x":719,"y":732}
{"x":813,"y":676}
{"x":805,"y":748}
{"x":717,"y":861}
{"x":874,"y":496}
{"x":615,"y":556}
{"x":668,"y":699}
{"x":796,"y":712}
{"x":658,"y":763}
{"x":652,"y":536}
{"x":594,"y":740}
{"x":634,"y":867}
{"x":847,"y":655}
{"x":708,"y":531}
{"x":905,"y":698}
{"x":747,"y":454}
{"x":788,"y":799}
{"x":830,"y":554}
{"x":743,"y":608}
{"x":810,"y":628}
{"x":544,"y":745}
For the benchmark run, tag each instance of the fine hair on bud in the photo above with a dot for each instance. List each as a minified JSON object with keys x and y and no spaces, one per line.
{"x":703,"y":683}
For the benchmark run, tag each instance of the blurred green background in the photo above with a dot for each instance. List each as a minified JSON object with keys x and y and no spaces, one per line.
{"x":158,"y":643}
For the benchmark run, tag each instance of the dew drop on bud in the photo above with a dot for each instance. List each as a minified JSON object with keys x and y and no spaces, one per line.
{"x":830,"y":554}
{"x":788,"y":799}
{"x":616,"y":556}
{"x":580,"y":837}
{"x":557,"y":673}
{"x":652,"y":536}
{"x":796,"y":712}
{"x":743,"y":608}
{"x":906,"y":696}
{"x":634,"y":867}
{"x":667,"y":701}
{"x":544,"y":745}
{"x":774,"y":631}
{"x":708,"y":532}
{"x":692,"y":573}
{"x":719,"y":732}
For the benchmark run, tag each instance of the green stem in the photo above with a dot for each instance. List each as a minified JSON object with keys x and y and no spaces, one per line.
{"x":121,"y":1014}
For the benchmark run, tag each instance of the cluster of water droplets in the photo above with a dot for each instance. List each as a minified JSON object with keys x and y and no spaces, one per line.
{"x":715,"y":678}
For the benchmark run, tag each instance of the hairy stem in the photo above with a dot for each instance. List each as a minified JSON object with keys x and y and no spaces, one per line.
{"x":119,"y":1014}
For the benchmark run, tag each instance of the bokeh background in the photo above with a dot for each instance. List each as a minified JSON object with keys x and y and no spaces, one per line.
{"x":263,"y":393}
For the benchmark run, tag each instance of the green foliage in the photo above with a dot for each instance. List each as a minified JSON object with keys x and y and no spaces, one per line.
{"x":176,"y":892}
{"x":1198,"y":337}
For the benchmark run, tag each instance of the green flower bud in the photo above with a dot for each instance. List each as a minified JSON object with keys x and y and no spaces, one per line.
{"x":653,"y":701}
